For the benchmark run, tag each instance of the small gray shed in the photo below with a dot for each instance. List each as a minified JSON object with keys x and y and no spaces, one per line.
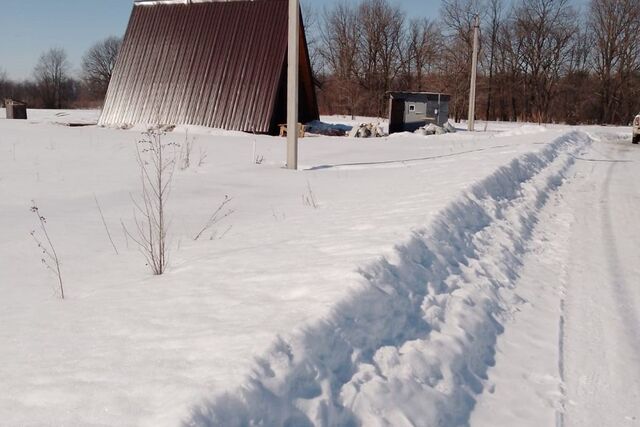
{"x":409,"y":111}
{"x":15,"y":109}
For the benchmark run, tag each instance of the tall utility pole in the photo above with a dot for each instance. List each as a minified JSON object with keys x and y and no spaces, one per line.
{"x":474,"y":74}
{"x":292,"y":84}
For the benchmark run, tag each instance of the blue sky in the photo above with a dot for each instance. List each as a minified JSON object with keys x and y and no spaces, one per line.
{"x":30,"y":27}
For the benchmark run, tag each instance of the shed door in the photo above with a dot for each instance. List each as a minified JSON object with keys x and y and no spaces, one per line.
{"x":396,"y":121}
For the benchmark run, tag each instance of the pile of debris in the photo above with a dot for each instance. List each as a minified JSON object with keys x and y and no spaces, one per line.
{"x":433,"y":129}
{"x":327,"y":129}
{"x":366,"y":130}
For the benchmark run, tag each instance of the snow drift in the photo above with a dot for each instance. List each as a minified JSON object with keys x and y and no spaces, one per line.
{"x":413,"y":344}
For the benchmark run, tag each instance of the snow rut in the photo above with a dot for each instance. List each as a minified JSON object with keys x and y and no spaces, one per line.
{"x":413,"y":344}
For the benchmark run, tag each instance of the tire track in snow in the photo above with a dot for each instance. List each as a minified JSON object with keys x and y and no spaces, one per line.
{"x":561,"y":358}
{"x":601,"y":344}
{"x":401,"y":162}
{"x":625,"y":301}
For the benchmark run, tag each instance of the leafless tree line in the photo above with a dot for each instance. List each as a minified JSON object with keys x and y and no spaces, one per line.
{"x":541,"y":60}
{"x":369,"y":49}
{"x":53,"y":84}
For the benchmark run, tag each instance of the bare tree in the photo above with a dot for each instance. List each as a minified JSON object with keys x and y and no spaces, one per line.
{"x":312,"y":33}
{"x":424,"y":43}
{"x":616,"y":29}
{"x":338,"y":49}
{"x":458,"y":17}
{"x":545,"y":29}
{"x":380,"y":50}
{"x":52,"y":80}
{"x":492,"y":31}
{"x":98,"y":64}
{"x":4,"y":86}
{"x":574,"y":102}
{"x":508,"y":80}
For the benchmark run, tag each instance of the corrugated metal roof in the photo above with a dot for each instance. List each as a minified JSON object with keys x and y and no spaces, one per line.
{"x":216,"y":64}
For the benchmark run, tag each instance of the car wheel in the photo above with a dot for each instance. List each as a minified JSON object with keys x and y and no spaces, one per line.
{"x":636,"y":139}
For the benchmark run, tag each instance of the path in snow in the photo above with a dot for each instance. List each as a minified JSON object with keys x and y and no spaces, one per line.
{"x":413,"y":344}
{"x":570,"y":354}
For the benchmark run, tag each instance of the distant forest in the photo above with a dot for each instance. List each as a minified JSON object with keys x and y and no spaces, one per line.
{"x":540,"y":60}
{"x":52,"y":86}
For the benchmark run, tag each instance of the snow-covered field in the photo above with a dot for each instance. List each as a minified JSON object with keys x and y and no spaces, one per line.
{"x":408,"y":280}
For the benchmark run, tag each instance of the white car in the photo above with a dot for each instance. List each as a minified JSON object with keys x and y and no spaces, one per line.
{"x":636,"y":130}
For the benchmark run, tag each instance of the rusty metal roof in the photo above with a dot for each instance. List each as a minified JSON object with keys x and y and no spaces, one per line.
{"x":215,"y":63}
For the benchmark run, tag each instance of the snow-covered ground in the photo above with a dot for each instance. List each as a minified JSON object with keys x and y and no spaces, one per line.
{"x":383,"y":304}
{"x":570,"y":355}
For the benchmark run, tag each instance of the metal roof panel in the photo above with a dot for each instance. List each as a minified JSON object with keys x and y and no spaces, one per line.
{"x":209,"y":63}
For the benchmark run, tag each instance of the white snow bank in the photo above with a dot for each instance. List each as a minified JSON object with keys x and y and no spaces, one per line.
{"x":63,"y":117}
{"x":523,"y":130}
{"x":413,"y":344}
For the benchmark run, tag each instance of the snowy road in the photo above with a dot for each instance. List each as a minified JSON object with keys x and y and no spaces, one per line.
{"x":570,"y":354}
{"x":602,"y":317}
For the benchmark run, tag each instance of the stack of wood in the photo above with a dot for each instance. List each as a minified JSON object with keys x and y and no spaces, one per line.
{"x":302,"y":129}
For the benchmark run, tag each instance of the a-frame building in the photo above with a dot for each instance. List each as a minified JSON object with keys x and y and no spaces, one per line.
{"x":210,"y":63}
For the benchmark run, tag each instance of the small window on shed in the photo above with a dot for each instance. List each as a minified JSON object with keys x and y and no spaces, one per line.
{"x":412,"y":108}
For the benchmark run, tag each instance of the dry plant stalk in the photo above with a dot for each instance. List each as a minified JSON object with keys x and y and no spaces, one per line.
{"x":309,"y":199}
{"x":185,"y":152}
{"x":216,"y":217}
{"x":126,"y":234}
{"x":106,"y":227}
{"x":203,"y":157}
{"x":49,"y":255}
{"x":156,"y":174}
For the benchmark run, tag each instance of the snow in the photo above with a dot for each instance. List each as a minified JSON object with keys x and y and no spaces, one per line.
{"x":572,"y":347}
{"x":384,"y":305}
{"x":398,"y":352}
{"x":63,"y":117}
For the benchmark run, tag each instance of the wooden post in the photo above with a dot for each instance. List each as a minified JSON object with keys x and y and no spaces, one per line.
{"x":292,"y":84}
{"x":474,"y":73}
